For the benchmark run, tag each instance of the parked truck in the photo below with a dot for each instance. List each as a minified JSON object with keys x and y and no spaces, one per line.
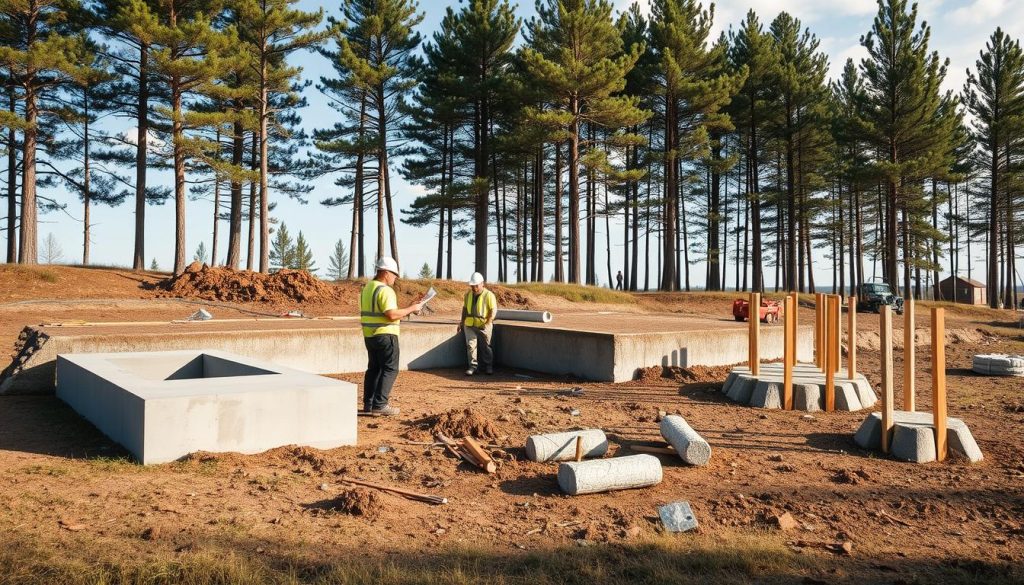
{"x":872,"y":296}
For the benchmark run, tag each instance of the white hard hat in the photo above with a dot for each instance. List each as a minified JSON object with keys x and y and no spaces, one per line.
{"x":387,"y":263}
{"x":476,"y":279}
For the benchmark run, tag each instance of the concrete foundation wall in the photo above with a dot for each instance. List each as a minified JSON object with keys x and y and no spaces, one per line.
{"x":163,"y":420}
{"x":557,"y":351}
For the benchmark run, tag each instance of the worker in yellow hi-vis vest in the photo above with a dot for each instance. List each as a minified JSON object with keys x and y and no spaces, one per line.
{"x":478,"y":313}
{"x":379,"y":316}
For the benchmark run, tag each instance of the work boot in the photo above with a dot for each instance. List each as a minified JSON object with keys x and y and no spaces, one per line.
{"x":387,"y":410}
{"x":470,"y":372}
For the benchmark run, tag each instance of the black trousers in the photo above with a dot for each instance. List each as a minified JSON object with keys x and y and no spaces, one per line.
{"x":381,"y":370}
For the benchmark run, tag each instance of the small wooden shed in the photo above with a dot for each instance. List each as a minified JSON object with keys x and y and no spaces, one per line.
{"x":961,"y":290}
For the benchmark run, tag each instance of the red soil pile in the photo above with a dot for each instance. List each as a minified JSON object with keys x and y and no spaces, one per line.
{"x":357,"y":502}
{"x":458,"y":423}
{"x":691,"y":375}
{"x":200,"y":281}
{"x":511,"y":299}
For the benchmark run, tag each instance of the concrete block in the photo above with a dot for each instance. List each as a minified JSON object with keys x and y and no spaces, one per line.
{"x":865,"y":392}
{"x":562,"y":446}
{"x":846,"y":397}
{"x":958,"y":436}
{"x":162,"y":406}
{"x":913,"y":443}
{"x":605,"y":475}
{"x":808,"y":397}
{"x":677,"y":517}
{"x":767,"y":394}
{"x":998,"y":365}
{"x":743,"y":389}
{"x":692,"y":448}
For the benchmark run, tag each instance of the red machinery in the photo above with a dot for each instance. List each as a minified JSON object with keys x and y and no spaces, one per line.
{"x":770,"y":311}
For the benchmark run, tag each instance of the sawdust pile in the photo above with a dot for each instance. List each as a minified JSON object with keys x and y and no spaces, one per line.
{"x":357,"y":502}
{"x":200,"y":281}
{"x":691,"y":375}
{"x":458,"y":423}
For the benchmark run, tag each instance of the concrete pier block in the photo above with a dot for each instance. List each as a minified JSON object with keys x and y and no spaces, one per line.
{"x":846,"y":397}
{"x":767,"y":394}
{"x":913,"y":443}
{"x":808,"y":397}
{"x":692,"y":448}
{"x":866,"y":393}
{"x":562,"y":446}
{"x":605,"y":475}
{"x":998,"y":365}
{"x":958,"y":436}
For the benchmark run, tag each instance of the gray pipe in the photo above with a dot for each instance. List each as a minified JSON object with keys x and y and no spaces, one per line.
{"x":605,"y":475}
{"x":520,"y":315}
{"x":562,"y":446}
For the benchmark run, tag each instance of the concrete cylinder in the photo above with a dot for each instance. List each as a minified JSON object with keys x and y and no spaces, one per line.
{"x":520,"y":315}
{"x":692,"y":448}
{"x":562,"y":446}
{"x":605,"y":475}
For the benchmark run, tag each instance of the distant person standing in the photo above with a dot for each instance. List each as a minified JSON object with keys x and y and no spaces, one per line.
{"x":379,"y":316}
{"x":618,"y":281}
{"x":478,"y":313}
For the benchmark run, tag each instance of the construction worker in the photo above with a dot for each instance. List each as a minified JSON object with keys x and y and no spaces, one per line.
{"x":478,"y":313}
{"x":380,"y":316}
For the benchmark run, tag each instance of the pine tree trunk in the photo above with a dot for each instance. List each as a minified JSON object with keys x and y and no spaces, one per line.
{"x":142,"y":124}
{"x":12,"y":192}
{"x":754,"y":194}
{"x":574,"y":193}
{"x":250,"y":258}
{"x":264,"y":113}
{"x":632,"y":275}
{"x":480,"y":174}
{"x":27,"y":245}
{"x":358,"y":239}
{"x":235,"y":212}
{"x":714,"y":212}
{"x":86,"y":185}
{"x":792,"y":268}
{"x":539,"y":226}
{"x":559,"y":264}
{"x":439,"y":269}
{"x":178,"y":137}
{"x":668,"y":235}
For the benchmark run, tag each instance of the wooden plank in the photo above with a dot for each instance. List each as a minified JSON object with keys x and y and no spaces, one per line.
{"x":403,"y":492}
{"x":885,"y":328}
{"x":828,"y":365}
{"x":837,"y":334}
{"x":909,"y":357}
{"x":579,"y":447}
{"x":754,"y":317}
{"x":654,"y":450}
{"x":851,"y":337}
{"x":480,"y":457}
{"x":939,"y":381}
{"x":789,"y":352}
{"x":819,"y":309}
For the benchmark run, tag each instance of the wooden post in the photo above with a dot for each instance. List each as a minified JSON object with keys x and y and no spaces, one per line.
{"x":939,"y":381}
{"x":828,"y":365}
{"x":837,"y":333}
{"x":579,"y":448}
{"x":909,"y":357}
{"x":851,"y":337}
{"x":754,"y":316}
{"x":819,"y":332}
{"x":885,"y":314}
{"x":789,"y":351}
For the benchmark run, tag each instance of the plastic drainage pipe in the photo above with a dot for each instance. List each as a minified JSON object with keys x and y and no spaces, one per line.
{"x":519,"y":315}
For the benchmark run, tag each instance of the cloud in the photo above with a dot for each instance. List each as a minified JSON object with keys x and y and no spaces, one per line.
{"x":978,"y":12}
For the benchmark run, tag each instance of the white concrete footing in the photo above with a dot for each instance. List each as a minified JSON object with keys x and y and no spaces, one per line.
{"x":562,"y":446}
{"x":161,"y":406}
{"x":913,"y":437}
{"x":692,"y":448}
{"x":605,"y":475}
{"x":765,"y":390}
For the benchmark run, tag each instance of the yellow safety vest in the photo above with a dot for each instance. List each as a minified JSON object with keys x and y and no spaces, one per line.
{"x":476,"y":316}
{"x":371,"y":311}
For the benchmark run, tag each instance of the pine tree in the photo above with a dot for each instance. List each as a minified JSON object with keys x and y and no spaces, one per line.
{"x":902,"y":81}
{"x":338,"y":268}
{"x":302,"y":256}
{"x":576,"y":56}
{"x":272,"y":30}
{"x":694,"y":89}
{"x":994,"y":95}
{"x":37,"y":46}
{"x":282,"y":249}
{"x":201,"y":254}
{"x":425,"y":272}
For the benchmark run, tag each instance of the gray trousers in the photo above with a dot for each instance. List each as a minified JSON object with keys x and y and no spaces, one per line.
{"x":478,"y":341}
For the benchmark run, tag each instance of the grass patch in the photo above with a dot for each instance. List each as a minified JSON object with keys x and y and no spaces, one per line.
{"x":577,"y":293}
{"x":50,"y":470}
{"x":39,"y":273}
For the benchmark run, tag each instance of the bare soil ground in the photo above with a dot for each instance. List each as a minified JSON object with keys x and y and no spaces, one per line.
{"x":76,"y":509}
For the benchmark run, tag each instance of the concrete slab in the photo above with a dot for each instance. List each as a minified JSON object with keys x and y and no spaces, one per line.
{"x":958,"y":436}
{"x":765,"y":390}
{"x":162,"y":406}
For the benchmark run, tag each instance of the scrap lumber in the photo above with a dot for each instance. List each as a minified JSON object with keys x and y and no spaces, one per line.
{"x":654,"y":450}
{"x":436,"y":500}
{"x":469,"y":449}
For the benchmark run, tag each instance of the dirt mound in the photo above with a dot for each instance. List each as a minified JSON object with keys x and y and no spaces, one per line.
{"x":691,"y":375}
{"x":870,"y":340}
{"x":200,"y":281}
{"x":511,"y":299}
{"x":463,"y":423}
{"x":357,"y":502}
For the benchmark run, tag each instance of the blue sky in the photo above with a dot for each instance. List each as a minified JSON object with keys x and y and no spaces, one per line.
{"x":960,"y":29}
